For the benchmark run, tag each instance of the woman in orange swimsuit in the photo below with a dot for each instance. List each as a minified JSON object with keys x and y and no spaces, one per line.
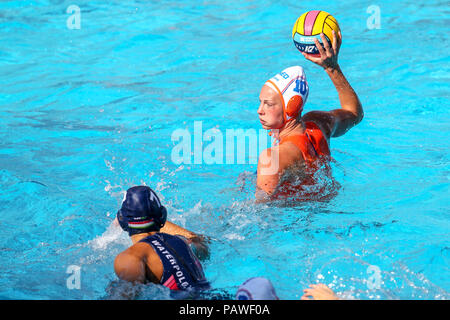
{"x":303,"y":141}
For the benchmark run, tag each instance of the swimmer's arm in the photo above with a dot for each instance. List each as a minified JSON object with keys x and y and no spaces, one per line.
{"x":272,"y":163}
{"x":319,"y":292}
{"x":336,"y":122}
{"x":267,"y":175}
{"x":129,"y":267}
{"x":199,"y":242}
{"x":351,"y":112}
{"x":174,"y":229}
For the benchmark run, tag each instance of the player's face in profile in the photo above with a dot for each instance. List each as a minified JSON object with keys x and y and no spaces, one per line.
{"x":270,"y":109}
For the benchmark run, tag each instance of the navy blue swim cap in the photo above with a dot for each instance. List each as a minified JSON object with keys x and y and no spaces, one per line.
{"x":141,"y":211}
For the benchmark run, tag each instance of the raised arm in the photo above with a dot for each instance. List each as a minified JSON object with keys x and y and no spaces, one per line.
{"x":336,"y":122}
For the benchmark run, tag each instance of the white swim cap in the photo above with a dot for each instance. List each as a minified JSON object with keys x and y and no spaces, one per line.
{"x":293,"y":89}
{"x":257,"y":288}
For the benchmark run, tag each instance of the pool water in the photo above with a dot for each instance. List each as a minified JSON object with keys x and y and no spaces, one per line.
{"x":87,"y":113}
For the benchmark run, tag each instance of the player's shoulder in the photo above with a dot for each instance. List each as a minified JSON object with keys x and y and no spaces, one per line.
{"x":324,"y":120}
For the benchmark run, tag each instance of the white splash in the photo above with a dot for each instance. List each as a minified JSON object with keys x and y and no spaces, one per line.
{"x":112,"y":235}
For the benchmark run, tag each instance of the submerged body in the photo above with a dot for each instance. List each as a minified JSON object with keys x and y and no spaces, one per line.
{"x":309,"y":156}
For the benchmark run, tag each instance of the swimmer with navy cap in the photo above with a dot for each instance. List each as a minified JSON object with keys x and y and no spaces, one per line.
{"x":260,"y":288}
{"x":301,"y":140}
{"x":157,"y":256}
{"x":256,"y":288}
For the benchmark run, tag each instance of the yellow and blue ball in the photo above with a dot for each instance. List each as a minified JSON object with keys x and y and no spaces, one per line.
{"x":309,"y":26}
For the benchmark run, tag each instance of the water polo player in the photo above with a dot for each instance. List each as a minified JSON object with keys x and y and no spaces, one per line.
{"x":303,"y":141}
{"x":155,"y":257}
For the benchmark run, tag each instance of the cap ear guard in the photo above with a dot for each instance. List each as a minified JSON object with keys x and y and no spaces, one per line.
{"x":243,"y":295}
{"x":155,"y":203}
{"x":163,"y":219}
{"x":256,"y":288}
{"x":294,"y":106}
{"x":123,"y":221}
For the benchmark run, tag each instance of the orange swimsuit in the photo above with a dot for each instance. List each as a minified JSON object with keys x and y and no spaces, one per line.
{"x":314,"y":147}
{"x":312,"y":143}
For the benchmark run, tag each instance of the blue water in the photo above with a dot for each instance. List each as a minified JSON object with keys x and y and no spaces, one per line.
{"x":87,"y":113}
